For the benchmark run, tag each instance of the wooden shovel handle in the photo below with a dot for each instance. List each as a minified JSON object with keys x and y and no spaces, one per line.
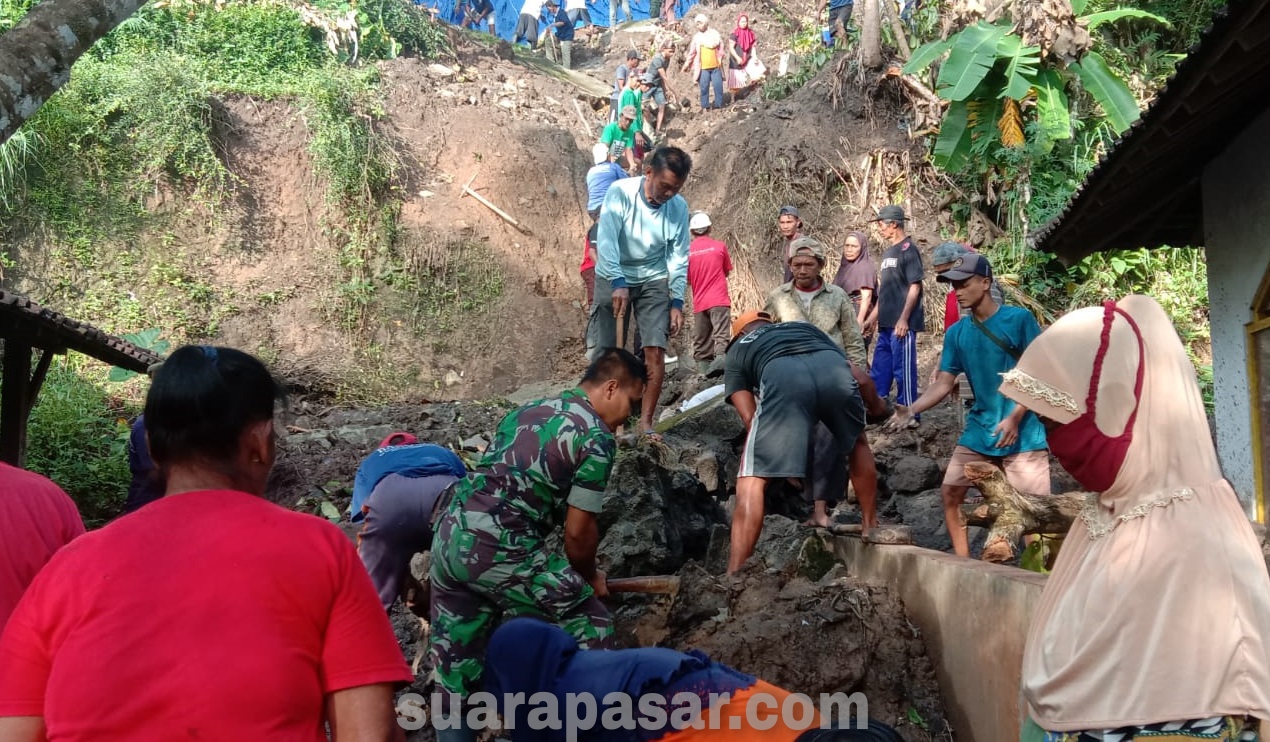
{"x":663,"y":584}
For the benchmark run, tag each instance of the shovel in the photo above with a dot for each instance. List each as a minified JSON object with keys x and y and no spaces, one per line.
{"x":658,"y":584}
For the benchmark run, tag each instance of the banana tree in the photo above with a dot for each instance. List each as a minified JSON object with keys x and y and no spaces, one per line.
{"x":995,"y":82}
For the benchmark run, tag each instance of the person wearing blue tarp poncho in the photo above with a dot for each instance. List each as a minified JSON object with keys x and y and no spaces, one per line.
{"x":410,"y":460}
{"x":529,"y":656}
{"x":404,"y":485}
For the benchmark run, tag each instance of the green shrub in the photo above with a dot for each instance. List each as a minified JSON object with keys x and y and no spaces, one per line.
{"x":78,"y":437}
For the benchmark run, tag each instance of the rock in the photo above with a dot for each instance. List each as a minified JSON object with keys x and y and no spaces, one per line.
{"x":779,"y":545}
{"x":815,"y":558}
{"x":913,"y":474}
{"x":452,"y":378}
{"x":439,"y":70}
{"x":475,"y":443}
{"x":507,"y":103}
{"x":656,"y":516}
{"x":707,"y":470}
{"x":426,"y":194}
{"x":362,"y":436}
{"x":924,"y":514}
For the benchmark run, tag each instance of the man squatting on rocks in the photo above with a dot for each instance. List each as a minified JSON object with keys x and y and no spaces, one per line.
{"x":783,"y":379}
{"x":984,"y":345}
{"x":809,"y":298}
{"x":643,"y":264}
{"x":546,"y":468}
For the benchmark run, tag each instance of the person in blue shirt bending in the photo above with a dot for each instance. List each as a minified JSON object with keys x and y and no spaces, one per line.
{"x":983,"y":345}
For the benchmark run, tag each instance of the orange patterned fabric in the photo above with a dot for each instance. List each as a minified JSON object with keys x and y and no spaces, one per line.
{"x":735,"y":709}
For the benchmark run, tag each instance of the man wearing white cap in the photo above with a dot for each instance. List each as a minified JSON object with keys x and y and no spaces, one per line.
{"x":602,"y":174}
{"x":708,"y":267}
{"x":705,"y":58}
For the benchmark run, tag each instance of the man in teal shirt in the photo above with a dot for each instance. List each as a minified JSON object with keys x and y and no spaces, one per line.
{"x":642,"y":264}
{"x":983,"y":345}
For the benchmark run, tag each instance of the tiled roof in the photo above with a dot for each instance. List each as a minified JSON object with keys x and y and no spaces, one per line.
{"x":22,"y":320}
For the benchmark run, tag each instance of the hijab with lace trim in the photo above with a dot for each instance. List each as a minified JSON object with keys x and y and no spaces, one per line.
{"x":1158,"y":608}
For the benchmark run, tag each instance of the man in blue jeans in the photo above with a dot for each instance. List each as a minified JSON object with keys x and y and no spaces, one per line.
{"x":900,"y":315}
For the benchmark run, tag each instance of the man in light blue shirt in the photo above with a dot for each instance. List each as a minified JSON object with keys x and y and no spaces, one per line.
{"x":642,"y":265}
{"x":603,"y":174}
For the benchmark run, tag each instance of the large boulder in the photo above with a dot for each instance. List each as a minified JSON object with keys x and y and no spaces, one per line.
{"x":913,"y":474}
{"x":923,"y":513}
{"x":657,"y":514}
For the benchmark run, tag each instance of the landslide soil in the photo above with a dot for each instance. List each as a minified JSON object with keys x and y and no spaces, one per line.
{"x":836,"y":147}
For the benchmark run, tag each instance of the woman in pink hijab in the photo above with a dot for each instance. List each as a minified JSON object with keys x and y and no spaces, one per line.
{"x":740,"y":49}
{"x":1154,"y":622}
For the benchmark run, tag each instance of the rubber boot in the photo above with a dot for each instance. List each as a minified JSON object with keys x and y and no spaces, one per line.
{"x":716,"y":366}
{"x":703,"y":367}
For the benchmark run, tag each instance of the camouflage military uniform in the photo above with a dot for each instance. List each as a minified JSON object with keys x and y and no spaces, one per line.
{"x":489,"y":559}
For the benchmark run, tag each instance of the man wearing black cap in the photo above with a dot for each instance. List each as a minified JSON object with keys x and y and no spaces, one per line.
{"x":900,"y":314}
{"x":983,"y":345}
{"x":790,"y":224}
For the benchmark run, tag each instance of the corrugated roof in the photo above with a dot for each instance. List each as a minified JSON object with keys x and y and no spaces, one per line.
{"x":1146,"y":190}
{"x":23,"y":320}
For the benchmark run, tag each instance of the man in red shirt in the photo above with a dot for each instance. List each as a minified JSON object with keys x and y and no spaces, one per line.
{"x":210,"y":613}
{"x":709,"y":265}
{"x":36,"y":519}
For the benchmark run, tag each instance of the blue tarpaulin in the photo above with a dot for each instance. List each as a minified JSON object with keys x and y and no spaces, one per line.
{"x":507,"y":12}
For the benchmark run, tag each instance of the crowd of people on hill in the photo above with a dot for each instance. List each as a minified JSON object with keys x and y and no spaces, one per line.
{"x":208,"y":612}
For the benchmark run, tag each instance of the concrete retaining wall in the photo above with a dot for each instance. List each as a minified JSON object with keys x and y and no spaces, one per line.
{"x":974,"y":618}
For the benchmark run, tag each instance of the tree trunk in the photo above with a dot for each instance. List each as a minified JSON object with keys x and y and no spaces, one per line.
{"x":892,"y":17}
{"x":871,"y":34}
{"x":1009,"y":514}
{"x":36,"y":55}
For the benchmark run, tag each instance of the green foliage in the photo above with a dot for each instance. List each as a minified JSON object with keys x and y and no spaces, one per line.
{"x":150,"y":340}
{"x":357,"y":163}
{"x":78,"y":437}
{"x":1108,"y":89}
{"x":391,"y":26}
{"x":988,"y":63}
{"x":812,"y":54}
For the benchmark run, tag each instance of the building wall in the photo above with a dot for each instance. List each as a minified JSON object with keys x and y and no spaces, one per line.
{"x":1236,"y":189}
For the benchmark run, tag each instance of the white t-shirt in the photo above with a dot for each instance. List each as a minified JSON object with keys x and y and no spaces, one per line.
{"x":532,"y":7}
{"x":574,"y":5}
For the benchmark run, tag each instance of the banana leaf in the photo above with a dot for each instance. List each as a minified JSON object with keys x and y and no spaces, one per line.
{"x":1052,"y":109}
{"x":1109,"y":90}
{"x":1021,"y":65}
{"x":952,"y":148}
{"x":974,"y":52}
{"x":1094,"y":20}
{"x":926,"y":54}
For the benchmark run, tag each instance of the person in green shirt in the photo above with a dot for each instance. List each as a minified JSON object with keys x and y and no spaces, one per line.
{"x":633,"y":95}
{"x":623,"y":130}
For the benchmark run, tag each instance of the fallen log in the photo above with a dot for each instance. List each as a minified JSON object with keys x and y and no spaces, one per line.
{"x":1009,"y":514}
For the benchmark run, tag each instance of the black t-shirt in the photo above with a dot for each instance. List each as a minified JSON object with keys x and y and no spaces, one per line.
{"x":901,"y":267}
{"x":750,"y":354}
